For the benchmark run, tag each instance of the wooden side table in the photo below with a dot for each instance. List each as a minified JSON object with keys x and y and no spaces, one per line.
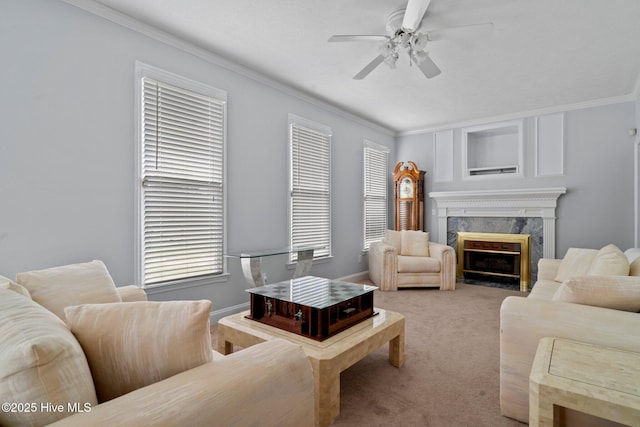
{"x":599,"y":381}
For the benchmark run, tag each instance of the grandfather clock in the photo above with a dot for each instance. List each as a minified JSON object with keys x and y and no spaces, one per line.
{"x":409,"y":196}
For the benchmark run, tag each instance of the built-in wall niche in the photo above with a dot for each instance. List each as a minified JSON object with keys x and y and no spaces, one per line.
{"x":492,"y":150}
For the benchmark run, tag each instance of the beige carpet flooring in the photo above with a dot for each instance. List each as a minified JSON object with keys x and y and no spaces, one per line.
{"x":451,"y":372}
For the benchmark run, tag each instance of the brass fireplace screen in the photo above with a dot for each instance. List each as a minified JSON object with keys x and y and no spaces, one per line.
{"x":494,"y":255}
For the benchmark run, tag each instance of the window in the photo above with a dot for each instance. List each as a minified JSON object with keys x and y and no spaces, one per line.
{"x":310,"y":186}
{"x":181,"y":172}
{"x":375,"y":192}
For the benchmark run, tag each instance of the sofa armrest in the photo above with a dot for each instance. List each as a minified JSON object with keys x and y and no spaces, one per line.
{"x":383,"y":266}
{"x":548,"y":268}
{"x":447,"y":257}
{"x":523,"y":321}
{"x":269,"y":384}
{"x":132,"y":293}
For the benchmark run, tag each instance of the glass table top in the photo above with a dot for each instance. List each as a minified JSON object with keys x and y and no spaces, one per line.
{"x":270,"y":252}
{"x":314,"y":292}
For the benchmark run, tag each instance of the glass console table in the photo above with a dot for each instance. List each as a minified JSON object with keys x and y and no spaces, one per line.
{"x":251,"y":262}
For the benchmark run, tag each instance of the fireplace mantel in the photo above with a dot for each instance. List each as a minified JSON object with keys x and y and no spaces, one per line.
{"x":525,"y":202}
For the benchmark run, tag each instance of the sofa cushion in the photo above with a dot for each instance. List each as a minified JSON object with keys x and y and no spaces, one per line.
{"x":544,"y":290}
{"x":418,"y":264}
{"x":393,"y":238}
{"x":9,"y":284}
{"x":133,"y":344}
{"x":634,"y":267}
{"x":633,"y":255}
{"x":414,"y":243}
{"x":59,"y":287}
{"x":576,"y":262}
{"x":609,"y":261}
{"x":615,"y":292}
{"x":40,"y":362}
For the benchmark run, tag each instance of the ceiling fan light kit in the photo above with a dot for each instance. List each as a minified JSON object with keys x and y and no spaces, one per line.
{"x":415,"y":43}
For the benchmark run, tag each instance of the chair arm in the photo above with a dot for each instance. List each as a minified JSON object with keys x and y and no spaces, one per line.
{"x":548,"y":268}
{"x":132,"y":293}
{"x":269,"y":384}
{"x":383,"y":266}
{"x":523,"y":321}
{"x":447,"y":257}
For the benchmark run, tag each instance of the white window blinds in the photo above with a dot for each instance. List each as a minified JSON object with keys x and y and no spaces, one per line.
{"x":183,"y":134}
{"x":375,"y":193}
{"x":310,"y":201}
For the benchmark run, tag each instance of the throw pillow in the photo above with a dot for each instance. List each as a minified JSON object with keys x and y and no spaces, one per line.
{"x":13,"y":286}
{"x":414,"y":243}
{"x":393,"y":238}
{"x":576,"y":262}
{"x":59,"y":287}
{"x":615,"y":292}
{"x":633,"y":255}
{"x":634,"y":267}
{"x":133,"y":344}
{"x":40,"y":363}
{"x":610,"y":261}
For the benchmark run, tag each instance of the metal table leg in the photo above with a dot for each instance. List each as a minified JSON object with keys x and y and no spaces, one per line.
{"x":252,"y":270}
{"x":303,"y":266}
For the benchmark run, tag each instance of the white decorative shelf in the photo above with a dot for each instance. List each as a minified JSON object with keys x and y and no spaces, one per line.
{"x":486,"y":148}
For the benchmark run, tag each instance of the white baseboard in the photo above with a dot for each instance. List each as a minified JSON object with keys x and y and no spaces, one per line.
{"x":356,"y":277}
{"x":227,"y":311}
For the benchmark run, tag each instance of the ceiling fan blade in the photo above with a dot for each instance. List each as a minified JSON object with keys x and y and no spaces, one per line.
{"x":414,"y":13}
{"x":469,"y":31}
{"x":369,"y":67}
{"x":358,"y":38}
{"x":428,"y":67}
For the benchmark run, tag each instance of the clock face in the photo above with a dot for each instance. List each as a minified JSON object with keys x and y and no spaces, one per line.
{"x":406,"y":188}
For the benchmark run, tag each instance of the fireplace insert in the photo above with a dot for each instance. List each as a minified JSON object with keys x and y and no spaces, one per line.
{"x":496,"y":257}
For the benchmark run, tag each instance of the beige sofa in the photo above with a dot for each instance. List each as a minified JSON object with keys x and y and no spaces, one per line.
{"x":407,"y":259}
{"x":599,"y":309}
{"x":127,"y":361}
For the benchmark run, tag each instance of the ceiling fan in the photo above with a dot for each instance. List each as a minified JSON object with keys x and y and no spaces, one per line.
{"x":403,"y":25}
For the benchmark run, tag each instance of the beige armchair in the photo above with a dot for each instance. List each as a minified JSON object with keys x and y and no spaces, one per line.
{"x":407,"y":259}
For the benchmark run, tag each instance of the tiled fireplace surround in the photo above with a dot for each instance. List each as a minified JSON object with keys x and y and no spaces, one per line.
{"x":518,"y":211}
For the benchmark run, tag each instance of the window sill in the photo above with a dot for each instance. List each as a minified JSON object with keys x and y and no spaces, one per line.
{"x":184,"y":284}
{"x":323,"y":260}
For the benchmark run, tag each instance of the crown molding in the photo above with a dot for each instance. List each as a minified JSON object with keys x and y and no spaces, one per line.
{"x":525,"y":114}
{"x":162,"y":36}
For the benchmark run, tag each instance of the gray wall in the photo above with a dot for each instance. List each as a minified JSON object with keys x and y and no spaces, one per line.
{"x":67,"y":155}
{"x":599,"y":176}
{"x":67,"y":144}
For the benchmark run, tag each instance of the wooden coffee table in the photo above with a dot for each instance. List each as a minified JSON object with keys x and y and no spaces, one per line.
{"x":329,"y":357}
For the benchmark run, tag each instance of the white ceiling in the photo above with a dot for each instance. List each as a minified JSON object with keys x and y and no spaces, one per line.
{"x":542,"y":53}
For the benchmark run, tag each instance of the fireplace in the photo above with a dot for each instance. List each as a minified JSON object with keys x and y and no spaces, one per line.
{"x":494,"y":256}
{"x":514,"y":211}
